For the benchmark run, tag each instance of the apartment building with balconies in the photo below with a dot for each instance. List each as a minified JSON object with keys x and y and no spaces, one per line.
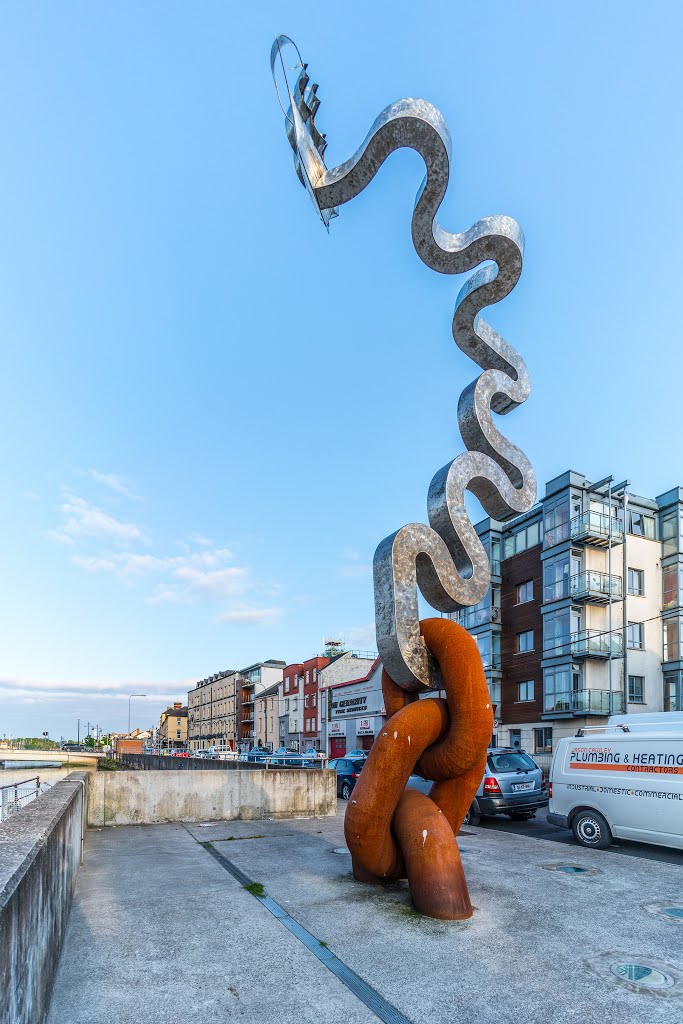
{"x":266,"y":709}
{"x":221,"y":707}
{"x":583,"y":617}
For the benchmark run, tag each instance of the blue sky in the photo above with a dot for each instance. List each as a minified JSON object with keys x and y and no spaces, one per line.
{"x":214,"y":411}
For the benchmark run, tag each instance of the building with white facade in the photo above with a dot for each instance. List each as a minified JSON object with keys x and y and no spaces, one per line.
{"x":583,"y":617}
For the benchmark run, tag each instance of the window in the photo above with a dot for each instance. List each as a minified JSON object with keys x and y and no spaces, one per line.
{"x":525,"y":592}
{"x":671,"y":639}
{"x":669,"y":526}
{"x":525,"y":642}
{"x":287,"y":684}
{"x":557,"y":629}
{"x":556,"y":523}
{"x":306,"y":701}
{"x":556,"y":578}
{"x":557,"y":688}
{"x":177,"y":735}
{"x":673,"y":692}
{"x":525,"y":690}
{"x":315,"y":675}
{"x":525,"y":538}
{"x":640,"y":524}
{"x":670,"y":586}
{"x":489,"y":648}
{"x":635,"y":636}
{"x":287,"y":704}
{"x":636,"y":582}
{"x":306,"y":677}
{"x":314,"y":700}
{"x":636,"y":689}
{"x":543,"y":741}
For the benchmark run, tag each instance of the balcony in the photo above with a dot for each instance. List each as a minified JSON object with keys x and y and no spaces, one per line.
{"x":595,"y":528}
{"x":248,"y":700}
{"x":593,"y":587}
{"x":596,"y":643}
{"x":248,"y":720}
{"x":583,"y":702}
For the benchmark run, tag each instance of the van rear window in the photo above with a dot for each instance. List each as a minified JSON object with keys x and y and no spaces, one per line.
{"x":514,"y":761}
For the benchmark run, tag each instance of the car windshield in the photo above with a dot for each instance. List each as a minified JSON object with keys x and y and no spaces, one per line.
{"x":513,"y":761}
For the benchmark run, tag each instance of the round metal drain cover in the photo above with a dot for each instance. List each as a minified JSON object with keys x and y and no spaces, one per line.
{"x":570,"y":869}
{"x":675,"y":912}
{"x":641,"y":974}
{"x":341,"y":849}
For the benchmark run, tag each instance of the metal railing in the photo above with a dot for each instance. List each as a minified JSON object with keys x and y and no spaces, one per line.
{"x":584,"y":702}
{"x":597,"y":524}
{"x":588,"y":643}
{"x":588,"y":583}
{"x":594,"y":643}
{"x":16,"y":795}
{"x":598,"y":583}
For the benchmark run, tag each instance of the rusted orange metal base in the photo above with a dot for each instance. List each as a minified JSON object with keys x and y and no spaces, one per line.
{"x":395,"y":833}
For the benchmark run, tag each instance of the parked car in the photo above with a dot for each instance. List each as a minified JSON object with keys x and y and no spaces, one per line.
{"x":357,"y":753}
{"x":622,"y":781}
{"x":513,"y":784}
{"x":348,"y":772}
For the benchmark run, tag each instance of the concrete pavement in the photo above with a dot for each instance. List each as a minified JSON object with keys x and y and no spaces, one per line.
{"x":160,"y":931}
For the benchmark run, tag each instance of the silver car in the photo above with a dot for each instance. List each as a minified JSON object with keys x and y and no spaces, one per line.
{"x":513,"y":784}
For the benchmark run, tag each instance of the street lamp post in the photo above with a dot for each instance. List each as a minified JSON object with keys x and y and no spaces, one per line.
{"x":129,"y":700}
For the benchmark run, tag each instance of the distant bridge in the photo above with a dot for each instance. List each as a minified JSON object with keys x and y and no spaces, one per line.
{"x":63,"y":756}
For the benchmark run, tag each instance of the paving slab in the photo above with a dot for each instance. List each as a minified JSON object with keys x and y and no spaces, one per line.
{"x":540,"y":945}
{"x":160,"y":932}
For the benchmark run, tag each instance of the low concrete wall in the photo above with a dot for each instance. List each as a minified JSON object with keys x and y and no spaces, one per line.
{"x":167,"y":763}
{"x":143,"y":798}
{"x":40,"y":853}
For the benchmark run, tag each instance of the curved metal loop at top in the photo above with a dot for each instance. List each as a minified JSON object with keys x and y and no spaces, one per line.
{"x":275,"y":52}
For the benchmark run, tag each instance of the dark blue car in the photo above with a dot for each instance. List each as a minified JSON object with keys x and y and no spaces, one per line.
{"x":348,"y":772}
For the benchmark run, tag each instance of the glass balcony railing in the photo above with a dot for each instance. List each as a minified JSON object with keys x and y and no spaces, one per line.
{"x":588,"y":643}
{"x":584,"y":702}
{"x":596,"y":526}
{"x":593,"y":643}
{"x":596,"y":584}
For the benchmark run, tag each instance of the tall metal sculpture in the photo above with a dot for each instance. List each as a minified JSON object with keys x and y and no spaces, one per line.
{"x":393,"y":832}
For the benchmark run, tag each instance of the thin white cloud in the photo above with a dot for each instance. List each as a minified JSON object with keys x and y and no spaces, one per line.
{"x":82,"y":519}
{"x":251,"y":615}
{"x":361,"y":638}
{"x":57,"y":689}
{"x":114,"y":482}
{"x":224,"y":582}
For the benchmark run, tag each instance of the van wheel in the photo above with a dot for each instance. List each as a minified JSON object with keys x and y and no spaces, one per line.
{"x":346,"y":791}
{"x":590,"y":829}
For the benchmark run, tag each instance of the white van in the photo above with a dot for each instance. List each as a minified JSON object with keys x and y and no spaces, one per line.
{"x":623,"y":780}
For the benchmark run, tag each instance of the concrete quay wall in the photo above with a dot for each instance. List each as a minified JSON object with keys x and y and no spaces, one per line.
{"x":148,"y":797}
{"x":40,"y":853}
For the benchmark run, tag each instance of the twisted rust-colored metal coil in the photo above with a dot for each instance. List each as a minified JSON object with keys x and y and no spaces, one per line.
{"x":394,"y":832}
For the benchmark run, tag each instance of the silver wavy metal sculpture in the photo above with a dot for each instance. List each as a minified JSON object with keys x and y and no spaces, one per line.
{"x":445,"y":560}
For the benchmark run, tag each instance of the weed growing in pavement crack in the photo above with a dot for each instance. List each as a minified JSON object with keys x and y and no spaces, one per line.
{"x":255,"y":888}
